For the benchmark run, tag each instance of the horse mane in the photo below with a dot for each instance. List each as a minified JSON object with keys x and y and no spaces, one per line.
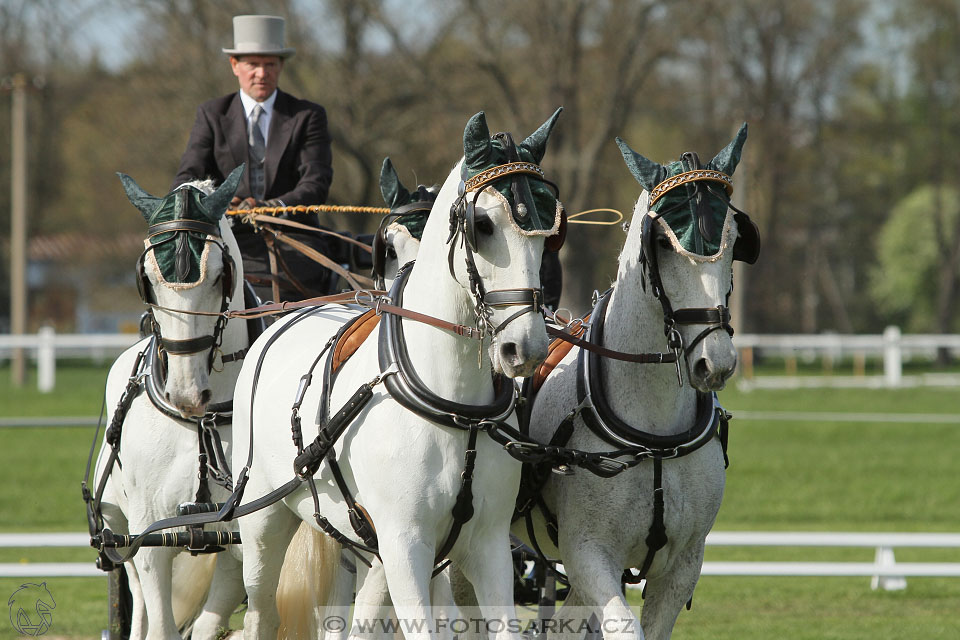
{"x":207,"y":185}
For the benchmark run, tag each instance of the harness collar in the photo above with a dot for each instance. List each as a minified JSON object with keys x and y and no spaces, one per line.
{"x":154,"y":377}
{"x":600,"y":418}
{"x":406,"y":387}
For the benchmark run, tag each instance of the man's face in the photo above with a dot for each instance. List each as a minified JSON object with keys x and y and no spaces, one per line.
{"x":258,"y":75}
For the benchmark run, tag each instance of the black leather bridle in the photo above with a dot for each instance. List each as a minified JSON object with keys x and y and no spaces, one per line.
{"x":181,"y":230}
{"x":746,"y":248}
{"x":462,"y":226}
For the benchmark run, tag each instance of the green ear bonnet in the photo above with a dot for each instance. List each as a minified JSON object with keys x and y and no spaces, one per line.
{"x":179,"y":255}
{"x":691,"y":199}
{"x":483,"y":152}
{"x":399,"y":199}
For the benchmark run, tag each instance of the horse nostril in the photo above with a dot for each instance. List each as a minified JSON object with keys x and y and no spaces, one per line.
{"x":205,"y":397}
{"x":508,"y":353}
{"x":702,"y":369}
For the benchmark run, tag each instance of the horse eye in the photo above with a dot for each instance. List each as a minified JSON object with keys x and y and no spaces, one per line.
{"x":391,"y":253}
{"x":664,"y":243}
{"x":483,"y":225}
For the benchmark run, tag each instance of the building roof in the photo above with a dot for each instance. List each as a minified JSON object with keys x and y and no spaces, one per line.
{"x":73,"y":247}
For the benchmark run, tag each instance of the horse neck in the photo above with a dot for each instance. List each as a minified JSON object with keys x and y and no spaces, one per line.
{"x":235,"y":335}
{"x":447,"y":363}
{"x":646,"y":395}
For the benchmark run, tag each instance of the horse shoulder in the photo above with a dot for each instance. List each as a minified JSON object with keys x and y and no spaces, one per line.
{"x":555,"y":399}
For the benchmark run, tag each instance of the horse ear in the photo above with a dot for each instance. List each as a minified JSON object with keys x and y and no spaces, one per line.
{"x":218,"y":201}
{"x":536,"y":142}
{"x":394,"y":193}
{"x":728,"y":159}
{"x":476,"y":142}
{"x":647,"y":172}
{"x":146,"y":203}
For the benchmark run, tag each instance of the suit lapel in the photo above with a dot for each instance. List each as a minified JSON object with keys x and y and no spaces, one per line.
{"x":281,"y":123}
{"x":234,"y":125}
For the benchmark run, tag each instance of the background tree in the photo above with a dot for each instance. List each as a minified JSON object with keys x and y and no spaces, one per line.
{"x":931,"y":111}
{"x":906,"y":280}
{"x":851,"y":107}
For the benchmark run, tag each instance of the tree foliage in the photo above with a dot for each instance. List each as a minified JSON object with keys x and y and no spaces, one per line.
{"x":905,"y":280}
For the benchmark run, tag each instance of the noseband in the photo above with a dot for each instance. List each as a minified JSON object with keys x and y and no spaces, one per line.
{"x":462,"y":225}
{"x":181,"y":229}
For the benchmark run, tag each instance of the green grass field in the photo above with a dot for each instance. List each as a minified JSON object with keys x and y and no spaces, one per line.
{"x":786,"y":475}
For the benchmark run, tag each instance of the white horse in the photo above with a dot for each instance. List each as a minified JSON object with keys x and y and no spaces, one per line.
{"x":307,"y":596}
{"x":401,"y":468}
{"x":190,"y":273}
{"x":663,"y":419}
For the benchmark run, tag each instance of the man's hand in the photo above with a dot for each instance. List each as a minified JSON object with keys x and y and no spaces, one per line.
{"x":250,"y":203}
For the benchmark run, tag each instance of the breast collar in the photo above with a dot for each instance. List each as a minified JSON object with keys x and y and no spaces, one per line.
{"x":154,"y":379}
{"x":406,"y":387}
{"x":601,"y":419}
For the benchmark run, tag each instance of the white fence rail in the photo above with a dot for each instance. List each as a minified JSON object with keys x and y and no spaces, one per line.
{"x":46,"y":346}
{"x":885,"y":571}
{"x":894,"y":348}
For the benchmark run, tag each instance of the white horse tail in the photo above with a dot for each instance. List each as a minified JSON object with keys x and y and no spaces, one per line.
{"x":192,"y":576}
{"x":309,"y":569}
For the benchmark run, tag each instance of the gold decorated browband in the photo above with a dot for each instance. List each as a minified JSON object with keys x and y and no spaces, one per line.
{"x":487,"y":176}
{"x":690,"y":176}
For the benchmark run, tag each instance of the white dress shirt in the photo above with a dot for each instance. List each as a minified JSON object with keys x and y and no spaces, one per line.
{"x":267,"y":106}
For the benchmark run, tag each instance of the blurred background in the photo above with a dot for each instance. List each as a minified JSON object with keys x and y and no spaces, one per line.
{"x":850,"y":170}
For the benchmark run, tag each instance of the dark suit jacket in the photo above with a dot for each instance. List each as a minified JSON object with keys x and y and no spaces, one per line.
{"x":298,"y":164}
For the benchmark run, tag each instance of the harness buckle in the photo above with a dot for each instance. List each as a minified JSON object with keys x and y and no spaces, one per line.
{"x":612,"y":465}
{"x":213,"y":360}
{"x":392,"y":370}
{"x":365,"y":298}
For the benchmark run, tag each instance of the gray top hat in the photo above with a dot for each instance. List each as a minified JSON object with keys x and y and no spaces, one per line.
{"x":258,"y":35}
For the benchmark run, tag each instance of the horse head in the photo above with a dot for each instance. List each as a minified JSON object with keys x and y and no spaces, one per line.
{"x":397,"y":240}
{"x":187,"y":276}
{"x":501,"y":209}
{"x":689,"y":236}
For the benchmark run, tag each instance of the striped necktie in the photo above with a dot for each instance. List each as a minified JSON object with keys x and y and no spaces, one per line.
{"x":257,"y":153}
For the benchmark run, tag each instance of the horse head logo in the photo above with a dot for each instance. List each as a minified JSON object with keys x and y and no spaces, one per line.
{"x":30,"y":607}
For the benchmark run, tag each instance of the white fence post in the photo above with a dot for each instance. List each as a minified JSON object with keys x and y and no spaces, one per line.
{"x":884,"y":558}
{"x":46,"y":360}
{"x":892,"y":357}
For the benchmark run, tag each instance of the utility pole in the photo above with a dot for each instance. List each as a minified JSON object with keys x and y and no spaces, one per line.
{"x":18,"y":223}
